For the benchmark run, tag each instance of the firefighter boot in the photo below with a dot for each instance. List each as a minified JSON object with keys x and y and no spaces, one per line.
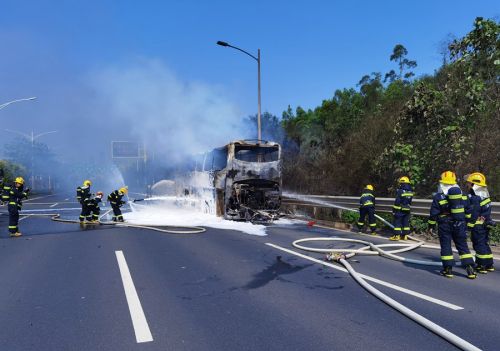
{"x":447,"y":272}
{"x":15,"y":235}
{"x":490,"y":268}
{"x":481,"y":269}
{"x":471,"y":274}
{"x":395,"y":238}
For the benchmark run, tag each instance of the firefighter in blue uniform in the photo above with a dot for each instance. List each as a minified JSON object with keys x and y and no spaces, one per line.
{"x":115,"y":200}
{"x":94,"y":210}
{"x":83,"y":196}
{"x":448,"y":212}
{"x":14,"y":195}
{"x":367,"y":209}
{"x":401,"y":210}
{"x":480,"y":221}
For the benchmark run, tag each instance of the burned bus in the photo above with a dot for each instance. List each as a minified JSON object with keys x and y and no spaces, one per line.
{"x":247,"y":180}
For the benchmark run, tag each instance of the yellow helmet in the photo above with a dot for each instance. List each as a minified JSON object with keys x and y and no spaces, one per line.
{"x":19,"y":180}
{"x":448,"y":177}
{"x":123,"y":190}
{"x":477,"y":178}
{"x":404,"y":179}
{"x":369,"y":187}
{"x":87,"y":183}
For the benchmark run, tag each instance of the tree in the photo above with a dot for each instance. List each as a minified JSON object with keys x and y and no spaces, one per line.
{"x":35,"y":158}
{"x":399,"y":56}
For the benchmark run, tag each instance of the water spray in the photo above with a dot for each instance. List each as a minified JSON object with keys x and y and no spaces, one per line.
{"x":328,"y":204}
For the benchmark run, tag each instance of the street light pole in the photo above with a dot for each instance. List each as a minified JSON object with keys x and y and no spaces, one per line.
{"x":31,"y":137}
{"x":223,"y":43}
{"x":14,"y":101}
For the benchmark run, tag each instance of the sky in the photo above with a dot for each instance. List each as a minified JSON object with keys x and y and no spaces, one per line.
{"x":117,"y":70}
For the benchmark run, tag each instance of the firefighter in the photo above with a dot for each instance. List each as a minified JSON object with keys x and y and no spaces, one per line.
{"x":367,"y":208}
{"x":83,"y":195}
{"x":401,"y":210}
{"x":94,"y":210}
{"x":14,"y":196}
{"x":480,"y":221}
{"x":115,"y":200}
{"x":448,"y":212}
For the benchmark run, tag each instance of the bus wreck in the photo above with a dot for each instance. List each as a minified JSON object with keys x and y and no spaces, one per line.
{"x":247,"y":180}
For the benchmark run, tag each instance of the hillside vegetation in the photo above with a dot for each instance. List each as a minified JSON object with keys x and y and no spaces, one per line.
{"x":395,"y":124}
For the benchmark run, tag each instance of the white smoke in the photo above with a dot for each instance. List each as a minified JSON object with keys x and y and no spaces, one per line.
{"x":148,"y":102}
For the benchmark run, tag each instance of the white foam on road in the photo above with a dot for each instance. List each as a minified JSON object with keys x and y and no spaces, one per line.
{"x":171,"y":216}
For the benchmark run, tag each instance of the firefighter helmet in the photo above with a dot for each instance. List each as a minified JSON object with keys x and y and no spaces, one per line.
{"x":448,"y":177}
{"x":123,"y":190}
{"x":19,"y":180}
{"x":477,"y":178}
{"x":87,"y":183}
{"x":369,"y":187}
{"x":404,"y":180}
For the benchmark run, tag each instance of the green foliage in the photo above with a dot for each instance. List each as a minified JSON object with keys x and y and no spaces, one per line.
{"x":446,"y":121}
{"x":349,"y":216}
{"x":11,"y":171}
{"x":495,"y":235}
{"x":399,"y":55}
{"x":419,"y":224}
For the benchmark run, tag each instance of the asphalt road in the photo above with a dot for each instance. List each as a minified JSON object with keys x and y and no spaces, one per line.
{"x":62,"y":289}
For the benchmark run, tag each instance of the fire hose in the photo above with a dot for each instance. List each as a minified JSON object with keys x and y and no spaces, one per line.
{"x":57,"y":218}
{"x":341,"y":256}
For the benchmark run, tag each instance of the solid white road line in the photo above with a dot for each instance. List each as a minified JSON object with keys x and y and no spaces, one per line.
{"x":141,"y":327}
{"x":54,"y":205}
{"x":22,"y":218}
{"x":375,"y":280}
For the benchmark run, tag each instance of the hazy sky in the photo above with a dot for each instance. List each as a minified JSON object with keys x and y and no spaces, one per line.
{"x":96,"y":65}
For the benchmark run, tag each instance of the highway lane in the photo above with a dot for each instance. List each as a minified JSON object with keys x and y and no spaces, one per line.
{"x":219,"y":290}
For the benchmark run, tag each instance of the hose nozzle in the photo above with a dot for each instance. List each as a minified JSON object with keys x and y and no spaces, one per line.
{"x":335,"y":256}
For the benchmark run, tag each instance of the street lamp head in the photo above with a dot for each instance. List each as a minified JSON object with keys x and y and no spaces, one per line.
{"x":222,"y":43}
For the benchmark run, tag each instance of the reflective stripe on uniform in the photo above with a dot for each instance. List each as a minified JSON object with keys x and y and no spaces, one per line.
{"x":406,"y":228}
{"x":360,"y":223}
{"x":446,"y":258}
{"x":397,"y":228}
{"x":455,"y":197}
{"x":373,"y":225}
{"x":468,"y":215}
{"x":396,"y":207}
{"x":471,"y":225}
{"x":12,"y":226}
{"x":368,"y":203}
{"x":457,"y":210}
{"x":443,"y":202}
{"x":484,"y":256}
{"x":465,"y":256}
{"x":407,"y":194}
{"x":431,"y":222}
{"x":485,"y":202}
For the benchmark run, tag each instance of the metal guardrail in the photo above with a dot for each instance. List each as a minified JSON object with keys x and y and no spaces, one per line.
{"x":419,"y":207}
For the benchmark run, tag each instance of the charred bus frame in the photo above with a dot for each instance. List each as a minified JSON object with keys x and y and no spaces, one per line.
{"x":247,"y":180}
